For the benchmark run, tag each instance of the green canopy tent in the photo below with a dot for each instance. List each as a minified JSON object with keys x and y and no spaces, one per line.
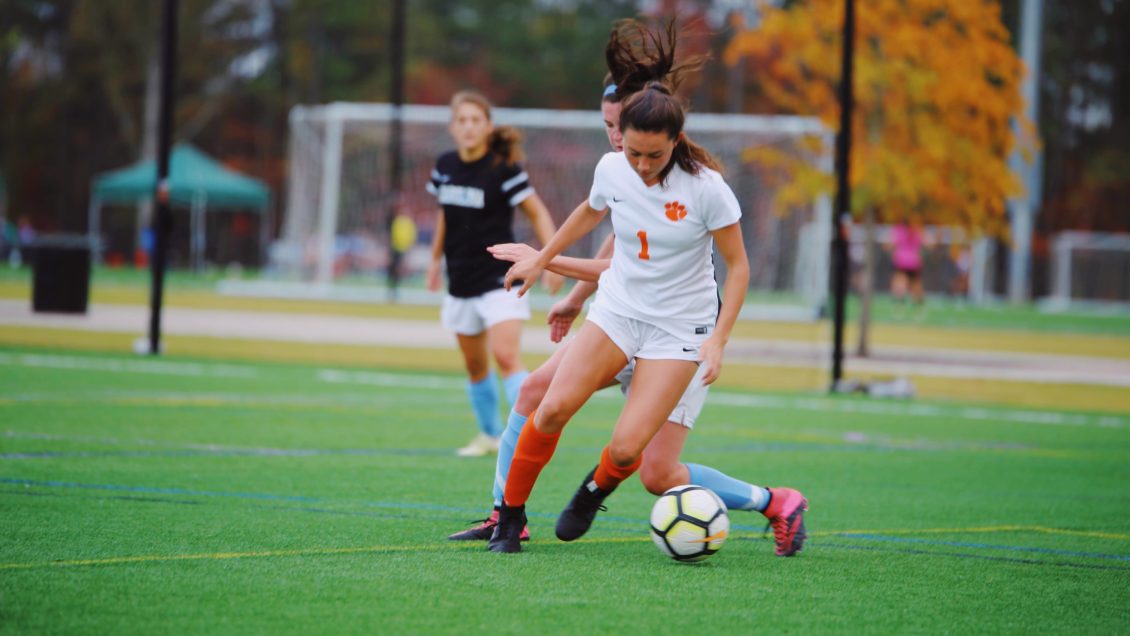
{"x":196,"y":181}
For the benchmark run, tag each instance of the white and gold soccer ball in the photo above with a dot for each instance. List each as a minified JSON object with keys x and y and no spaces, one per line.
{"x":689,"y":523}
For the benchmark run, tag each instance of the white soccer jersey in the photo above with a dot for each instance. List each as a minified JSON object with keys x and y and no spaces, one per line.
{"x":661,"y":270}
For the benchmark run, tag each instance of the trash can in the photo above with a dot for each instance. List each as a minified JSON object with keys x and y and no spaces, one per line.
{"x":61,"y":273}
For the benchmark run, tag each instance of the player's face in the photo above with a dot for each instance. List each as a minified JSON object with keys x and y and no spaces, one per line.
{"x":648,"y":153}
{"x":611,"y":113}
{"x":470,"y":127}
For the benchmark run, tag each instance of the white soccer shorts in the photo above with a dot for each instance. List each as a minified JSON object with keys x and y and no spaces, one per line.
{"x":472,"y":316}
{"x":638,"y":339}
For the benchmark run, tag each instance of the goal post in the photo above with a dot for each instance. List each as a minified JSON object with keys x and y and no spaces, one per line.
{"x":339,"y":192}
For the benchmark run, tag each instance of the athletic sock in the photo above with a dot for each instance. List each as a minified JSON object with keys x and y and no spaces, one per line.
{"x":514,"y":425}
{"x":511,"y":384}
{"x":609,"y":475}
{"x":736,"y":494}
{"x":532,"y":453}
{"x":484,"y":402}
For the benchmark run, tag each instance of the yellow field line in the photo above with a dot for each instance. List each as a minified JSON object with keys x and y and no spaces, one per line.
{"x":980,"y":530}
{"x":218,"y":556}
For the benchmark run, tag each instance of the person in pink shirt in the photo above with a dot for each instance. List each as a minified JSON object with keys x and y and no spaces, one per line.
{"x":907,"y":241}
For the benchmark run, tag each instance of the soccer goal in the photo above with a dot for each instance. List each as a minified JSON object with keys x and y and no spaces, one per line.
{"x":1089,"y":269}
{"x":340,"y":198}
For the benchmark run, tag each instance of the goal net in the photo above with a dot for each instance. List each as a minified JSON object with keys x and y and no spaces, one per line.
{"x":1089,"y":268}
{"x":340,"y":194}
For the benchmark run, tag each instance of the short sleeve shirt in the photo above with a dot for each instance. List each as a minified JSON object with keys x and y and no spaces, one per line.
{"x":662,"y":270}
{"x":478,"y":200}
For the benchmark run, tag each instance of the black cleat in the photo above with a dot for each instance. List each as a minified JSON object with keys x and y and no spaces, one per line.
{"x":484,"y":530}
{"x":577,"y":517}
{"x":507,"y":535}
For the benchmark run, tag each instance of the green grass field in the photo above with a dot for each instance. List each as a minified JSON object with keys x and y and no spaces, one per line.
{"x":204,"y":496}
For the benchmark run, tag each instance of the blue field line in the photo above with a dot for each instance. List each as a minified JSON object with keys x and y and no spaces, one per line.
{"x":605,"y":519}
{"x":984,"y":546}
{"x":312,"y":500}
{"x":966,"y":555}
{"x":247,"y":452}
{"x":252,"y":452}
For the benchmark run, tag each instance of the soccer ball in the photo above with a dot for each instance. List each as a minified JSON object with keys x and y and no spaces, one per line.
{"x":689,"y":523}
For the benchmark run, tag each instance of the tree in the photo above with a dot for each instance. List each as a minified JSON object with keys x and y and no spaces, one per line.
{"x":937,"y":89}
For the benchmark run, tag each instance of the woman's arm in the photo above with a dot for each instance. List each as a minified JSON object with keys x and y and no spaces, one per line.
{"x":580,"y":222}
{"x":542,"y":223}
{"x":582,"y":269}
{"x":433,"y":277}
{"x":732,"y":249}
{"x":565,"y":311}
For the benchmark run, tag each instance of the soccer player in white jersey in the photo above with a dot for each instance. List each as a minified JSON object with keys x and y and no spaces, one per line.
{"x":478,"y":186}
{"x":657,"y":304}
{"x":661,"y":469}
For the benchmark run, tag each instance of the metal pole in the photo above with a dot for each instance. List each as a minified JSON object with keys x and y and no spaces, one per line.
{"x":397,"y":94}
{"x":1025,"y":207}
{"x":396,"y":141}
{"x":163,"y":217}
{"x":841,"y":217}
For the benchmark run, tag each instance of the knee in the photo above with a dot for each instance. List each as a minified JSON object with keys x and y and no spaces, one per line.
{"x":622,"y":454}
{"x":553,"y":414}
{"x":659,"y":478}
{"x":533,"y":390}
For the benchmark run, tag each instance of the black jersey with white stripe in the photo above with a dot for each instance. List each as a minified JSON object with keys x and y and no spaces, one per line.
{"x":478,"y":200}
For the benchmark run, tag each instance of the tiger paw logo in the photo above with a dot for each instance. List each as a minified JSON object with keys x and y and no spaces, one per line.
{"x":675,"y":211}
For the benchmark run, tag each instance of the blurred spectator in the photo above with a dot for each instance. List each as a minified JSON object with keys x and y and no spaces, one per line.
{"x":402,"y":237}
{"x":906,"y":244}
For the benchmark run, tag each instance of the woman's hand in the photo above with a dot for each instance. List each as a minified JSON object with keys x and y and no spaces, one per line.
{"x":434,"y":277}
{"x":526,"y":270}
{"x":710,"y":356}
{"x":561,"y":317}
{"x":512,"y":252}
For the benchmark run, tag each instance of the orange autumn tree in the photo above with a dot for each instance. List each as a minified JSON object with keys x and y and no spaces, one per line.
{"x":936,"y":90}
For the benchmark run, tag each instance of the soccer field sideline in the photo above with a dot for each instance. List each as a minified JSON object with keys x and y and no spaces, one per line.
{"x":795,"y":362}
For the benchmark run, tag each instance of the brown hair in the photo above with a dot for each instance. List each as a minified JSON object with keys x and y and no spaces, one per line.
{"x":637,"y":55}
{"x":504,"y":142}
{"x":655,"y":109}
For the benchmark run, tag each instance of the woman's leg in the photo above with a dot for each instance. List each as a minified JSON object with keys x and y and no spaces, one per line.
{"x":505,"y":342}
{"x":529,"y":397}
{"x":656,"y":389}
{"x":592,"y":361}
{"x":482,"y":390}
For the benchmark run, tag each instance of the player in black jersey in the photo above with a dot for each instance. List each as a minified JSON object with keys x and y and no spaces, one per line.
{"x":478,"y":185}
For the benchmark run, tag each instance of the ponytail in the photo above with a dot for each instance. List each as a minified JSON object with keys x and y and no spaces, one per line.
{"x":505,"y":143}
{"x":636,"y":55}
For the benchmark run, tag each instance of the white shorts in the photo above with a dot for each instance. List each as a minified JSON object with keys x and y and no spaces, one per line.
{"x":690,"y":404}
{"x":638,"y":339}
{"x":472,"y":316}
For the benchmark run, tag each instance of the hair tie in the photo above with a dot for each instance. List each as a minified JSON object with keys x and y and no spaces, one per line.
{"x":609,"y":90}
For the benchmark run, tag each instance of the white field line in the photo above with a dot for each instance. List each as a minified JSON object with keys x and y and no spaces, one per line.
{"x":428,"y":382}
{"x":113,"y":365}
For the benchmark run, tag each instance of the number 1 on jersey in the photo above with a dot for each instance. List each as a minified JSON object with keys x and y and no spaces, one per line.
{"x":644,"y":256}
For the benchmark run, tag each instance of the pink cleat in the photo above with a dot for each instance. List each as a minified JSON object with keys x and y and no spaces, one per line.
{"x":786,"y":514}
{"x":485,"y":528}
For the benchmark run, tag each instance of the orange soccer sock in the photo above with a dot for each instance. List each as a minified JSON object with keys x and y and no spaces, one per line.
{"x":608,"y":475}
{"x":532,"y":453}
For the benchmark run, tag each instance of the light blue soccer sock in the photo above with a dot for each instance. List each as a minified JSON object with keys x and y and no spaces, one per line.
{"x":484,"y":402}
{"x":736,"y":494}
{"x":506,"y":446}
{"x":511,"y":384}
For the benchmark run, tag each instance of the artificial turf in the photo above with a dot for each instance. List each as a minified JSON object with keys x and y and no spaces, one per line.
{"x":203,"y":495}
